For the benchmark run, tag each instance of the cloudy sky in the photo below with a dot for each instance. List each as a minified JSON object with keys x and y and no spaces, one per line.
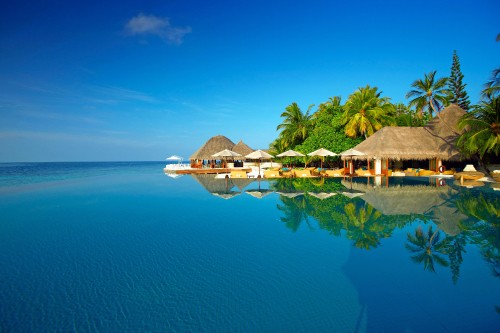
{"x":142,"y":80}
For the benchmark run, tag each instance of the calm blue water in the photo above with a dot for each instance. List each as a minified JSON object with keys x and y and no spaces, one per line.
{"x":121,"y":247}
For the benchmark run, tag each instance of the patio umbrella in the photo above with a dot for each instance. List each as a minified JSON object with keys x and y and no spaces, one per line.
{"x":226,"y":153}
{"x":352,"y":193}
{"x":174,"y":158}
{"x":290,"y":194}
{"x":322,"y":152}
{"x":259,"y":194}
{"x":259,"y":155}
{"x":322,"y":195}
{"x":290,"y":153}
{"x":228,"y":195}
{"x":351,"y":153}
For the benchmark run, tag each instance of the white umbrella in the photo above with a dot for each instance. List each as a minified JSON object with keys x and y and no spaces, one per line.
{"x":226,"y":153}
{"x":352,"y":194}
{"x":322,"y":195}
{"x":259,"y":155}
{"x":259,"y":194}
{"x":350,"y":153}
{"x":174,"y":158}
{"x":228,"y":195}
{"x":322,"y":152}
{"x":290,"y":153}
{"x":290,"y":194}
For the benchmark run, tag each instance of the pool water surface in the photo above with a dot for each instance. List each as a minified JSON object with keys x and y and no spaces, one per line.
{"x":121,"y":247}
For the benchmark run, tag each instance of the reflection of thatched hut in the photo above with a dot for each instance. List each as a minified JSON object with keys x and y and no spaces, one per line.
{"x":407,"y":200}
{"x":435,"y":142}
{"x":214,"y":185}
{"x":241,"y":183}
{"x":242,"y":148}
{"x":447,"y":217}
{"x":212,"y":146}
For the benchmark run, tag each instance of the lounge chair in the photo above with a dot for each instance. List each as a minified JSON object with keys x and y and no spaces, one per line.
{"x":302,"y":173}
{"x":272,"y":174}
{"x":426,"y":173}
{"x":410,"y":172}
{"x":239,"y":174}
{"x":334,"y":173}
{"x":361,"y":172}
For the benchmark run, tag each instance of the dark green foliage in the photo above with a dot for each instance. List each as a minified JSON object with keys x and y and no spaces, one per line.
{"x":328,"y":132}
{"x":482,"y":129}
{"x":407,"y":117}
{"x":456,"y":86}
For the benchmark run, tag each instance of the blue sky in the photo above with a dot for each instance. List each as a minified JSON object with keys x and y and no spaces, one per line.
{"x":142,"y":80}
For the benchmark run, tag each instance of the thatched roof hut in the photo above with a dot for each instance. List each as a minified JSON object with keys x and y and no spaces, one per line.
{"x":212,"y":146}
{"x":242,"y":148}
{"x":435,"y":140}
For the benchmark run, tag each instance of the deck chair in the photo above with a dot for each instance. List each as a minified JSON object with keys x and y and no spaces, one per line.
{"x":239,"y":174}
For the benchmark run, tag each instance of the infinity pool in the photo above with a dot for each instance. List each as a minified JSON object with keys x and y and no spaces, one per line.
{"x":121,"y":247}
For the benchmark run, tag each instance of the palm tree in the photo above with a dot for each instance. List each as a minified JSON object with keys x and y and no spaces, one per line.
{"x":492,"y":87}
{"x":296,"y":126}
{"x":482,"y":126}
{"x":366,"y":112}
{"x":429,"y":94}
{"x":427,"y":248}
{"x":276,"y":147}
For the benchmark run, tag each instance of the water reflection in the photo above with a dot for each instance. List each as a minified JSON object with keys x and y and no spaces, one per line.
{"x":447,"y":216}
{"x":427,"y":248}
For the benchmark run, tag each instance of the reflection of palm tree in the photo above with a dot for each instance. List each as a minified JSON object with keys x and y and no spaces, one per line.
{"x":294,"y":210}
{"x":362,"y":225}
{"x":427,"y":248}
{"x":456,"y":246}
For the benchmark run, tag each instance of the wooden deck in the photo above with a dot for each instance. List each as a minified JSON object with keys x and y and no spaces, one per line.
{"x":205,"y":171}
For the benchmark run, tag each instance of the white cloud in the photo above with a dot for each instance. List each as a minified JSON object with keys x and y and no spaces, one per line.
{"x":156,"y":26}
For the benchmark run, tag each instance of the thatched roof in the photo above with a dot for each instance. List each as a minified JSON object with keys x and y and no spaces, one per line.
{"x":445,"y":124}
{"x":435,"y":140}
{"x":405,"y":143}
{"x":212,"y":146}
{"x":242,"y":148}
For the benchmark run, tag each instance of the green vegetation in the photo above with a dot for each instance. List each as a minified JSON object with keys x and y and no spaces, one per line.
{"x":338,"y":127}
{"x":366,"y":112}
{"x":482,"y":135}
{"x":456,"y":86}
{"x":429,"y":94}
{"x":367,"y":227}
{"x":296,"y":126}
